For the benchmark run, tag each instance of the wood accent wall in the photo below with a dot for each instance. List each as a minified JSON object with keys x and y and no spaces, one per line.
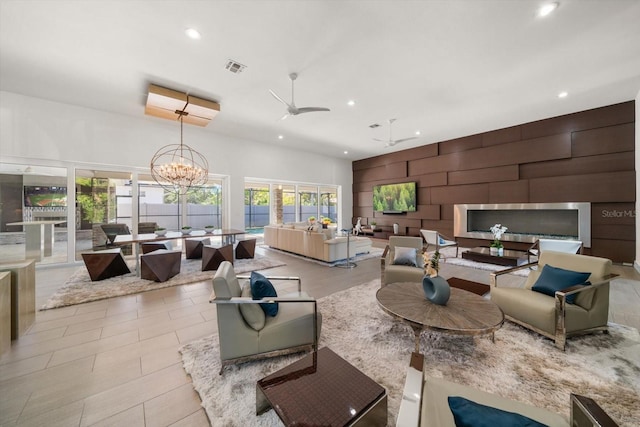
{"x":582,"y":157}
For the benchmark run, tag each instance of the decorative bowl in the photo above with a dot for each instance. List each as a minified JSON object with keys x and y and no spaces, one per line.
{"x":160,"y":232}
{"x":186,"y":231}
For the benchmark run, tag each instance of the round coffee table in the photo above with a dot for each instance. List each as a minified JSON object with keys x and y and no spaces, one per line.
{"x":465,"y":313}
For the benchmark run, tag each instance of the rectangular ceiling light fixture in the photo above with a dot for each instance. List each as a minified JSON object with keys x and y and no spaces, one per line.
{"x":167,"y":103}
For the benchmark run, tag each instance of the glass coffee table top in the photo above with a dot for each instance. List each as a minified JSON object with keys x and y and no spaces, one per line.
{"x":322,"y":389}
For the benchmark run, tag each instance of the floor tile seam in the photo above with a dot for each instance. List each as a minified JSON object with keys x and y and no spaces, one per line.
{"x":173,"y":329}
{"x":68,"y":321}
{"x":18,"y":343}
{"x":169,"y":391}
{"x":203,"y":307}
{"x":61,"y":346}
{"x":97,"y":342}
{"x":140,"y":344}
{"x":125,"y":384}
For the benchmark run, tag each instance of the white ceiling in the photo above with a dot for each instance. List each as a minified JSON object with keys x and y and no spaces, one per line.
{"x":447,"y":68}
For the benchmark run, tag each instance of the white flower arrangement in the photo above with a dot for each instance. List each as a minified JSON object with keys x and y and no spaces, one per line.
{"x":497,"y":230}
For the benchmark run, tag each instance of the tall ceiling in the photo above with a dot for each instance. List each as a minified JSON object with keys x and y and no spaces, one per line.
{"x":446,"y":68}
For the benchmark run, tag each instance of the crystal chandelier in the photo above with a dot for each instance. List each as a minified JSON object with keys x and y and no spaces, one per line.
{"x":178,"y":167}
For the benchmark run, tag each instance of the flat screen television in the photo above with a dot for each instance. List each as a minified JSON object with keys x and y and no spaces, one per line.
{"x":395,"y":198}
{"x":36,"y":196}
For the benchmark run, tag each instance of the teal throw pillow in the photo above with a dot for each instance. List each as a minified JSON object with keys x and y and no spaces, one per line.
{"x":441,"y":241}
{"x":467,"y":413}
{"x":554,"y":279}
{"x":261,"y":287}
{"x":404,"y":256}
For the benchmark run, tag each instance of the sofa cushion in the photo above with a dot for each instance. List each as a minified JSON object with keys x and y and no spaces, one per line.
{"x":253,"y":314}
{"x":467,"y":413}
{"x":554,"y":279}
{"x":261,"y":287}
{"x":404,"y":256}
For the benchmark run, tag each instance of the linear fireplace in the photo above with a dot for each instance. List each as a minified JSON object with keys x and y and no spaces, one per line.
{"x":526,"y":222}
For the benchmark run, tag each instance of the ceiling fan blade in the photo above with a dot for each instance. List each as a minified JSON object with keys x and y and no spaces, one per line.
{"x":380,"y":140}
{"x":311,"y":109}
{"x":275,"y":95}
{"x":403,"y":140}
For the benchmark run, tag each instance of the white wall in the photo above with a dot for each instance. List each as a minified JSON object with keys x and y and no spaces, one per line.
{"x":33,"y":128}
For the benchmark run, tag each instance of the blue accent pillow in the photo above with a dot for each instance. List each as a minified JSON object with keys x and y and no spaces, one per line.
{"x":467,"y":413}
{"x":261,"y":287}
{"x":554,"y":279}
{"x":441,"y":241}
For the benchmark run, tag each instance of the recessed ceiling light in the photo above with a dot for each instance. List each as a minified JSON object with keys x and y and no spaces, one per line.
{"x":280,"y":136}
{"x":351,"y":103}
{"x":346,"y":152}
{"x":417,"y":132}
{"x":547,"y":8}
{"x":192,"y":33}
{"x":563,"y":94}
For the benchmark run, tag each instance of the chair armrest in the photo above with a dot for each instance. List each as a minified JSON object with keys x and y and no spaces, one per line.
{"x":590,"y":284}
{"x":386,"y":251}
{"x":411,"y":403}
{"x":277,"y":278}
{"x":494,"y":276}
{"x":270,"y":300}
{"x":586,"y":412}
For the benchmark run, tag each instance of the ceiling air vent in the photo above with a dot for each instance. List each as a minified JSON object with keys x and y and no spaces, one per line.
{"x":375,"y":125}
{"x":235,"y":67}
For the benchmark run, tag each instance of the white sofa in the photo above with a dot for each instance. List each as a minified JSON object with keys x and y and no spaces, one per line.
{"x":321,"y":244}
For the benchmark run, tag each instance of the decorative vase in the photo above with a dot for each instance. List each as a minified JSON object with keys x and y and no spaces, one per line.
{"x":396,"y":228}
{"x":500,"y":251}
{"x":436,"y":289}
{"x":493,"y":250}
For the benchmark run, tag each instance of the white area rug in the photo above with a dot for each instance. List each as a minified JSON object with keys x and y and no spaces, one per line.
{"x":374,"y":253}
{"x":79,"y":288}
{"x":520,"y":365}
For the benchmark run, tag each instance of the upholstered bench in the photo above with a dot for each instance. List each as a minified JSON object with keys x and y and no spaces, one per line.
{"x":213,"y":256}
{"x":193,"y":247}
{"x":160,"y":265}
{"x":104,"y":264}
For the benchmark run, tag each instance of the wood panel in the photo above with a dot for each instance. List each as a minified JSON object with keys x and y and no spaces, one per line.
{"x":364,"y":198}
{"x":452,"y":194}
{"x":460,"y":144}
{"x":392,"y":170}
{"x":602,"y":187}
{"x":509,"y":192}
{"x":501,"y":136}
{"x":586,"y":156}
{"x":590,"y":119}
{"x":612,"y":139}
{"x":579,"y":165}
{"x":501,"y":173}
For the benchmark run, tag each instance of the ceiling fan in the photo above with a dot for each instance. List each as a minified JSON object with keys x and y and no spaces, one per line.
{"x":391,"y":142}
{"x":292,"y":110}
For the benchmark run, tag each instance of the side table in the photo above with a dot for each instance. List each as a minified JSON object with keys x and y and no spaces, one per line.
{"x":347,"y":263}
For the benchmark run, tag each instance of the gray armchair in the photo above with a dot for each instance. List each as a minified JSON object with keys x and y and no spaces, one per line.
{"x":554,"y":317}
{"x":246,"y":334}
{"x":391,"y":271}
